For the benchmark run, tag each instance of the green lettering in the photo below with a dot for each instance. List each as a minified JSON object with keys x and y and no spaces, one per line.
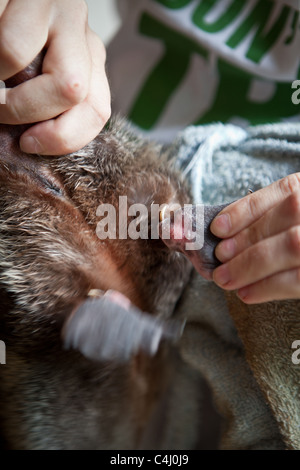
{"x":223,"y":21}
{"x":174,"y":4}
{"x":166,"y":76}
{"x":262,"y":42}
{"x":231,"y":99}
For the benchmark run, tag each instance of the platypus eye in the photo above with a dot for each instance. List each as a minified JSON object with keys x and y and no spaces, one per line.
{"x":50,"y":184}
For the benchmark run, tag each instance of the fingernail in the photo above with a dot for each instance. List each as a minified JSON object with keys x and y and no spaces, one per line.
{"x":243,"y":293}
{"x":221,"y":225}
{"x":222,"y":275}
{"x":30,"y":144}
{"x":226,"y":249}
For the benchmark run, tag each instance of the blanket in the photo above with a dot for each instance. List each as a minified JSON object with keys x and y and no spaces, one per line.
{"x":243,"y":352}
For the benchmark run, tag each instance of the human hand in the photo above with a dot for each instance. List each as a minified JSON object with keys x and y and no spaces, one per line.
{"x":70,"y":100}
{"x":261,"y":249}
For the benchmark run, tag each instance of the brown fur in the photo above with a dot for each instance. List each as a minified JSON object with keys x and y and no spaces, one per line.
{"x":50,"y":257}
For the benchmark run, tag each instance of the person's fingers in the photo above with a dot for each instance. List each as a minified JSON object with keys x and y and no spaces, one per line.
{"x":70,"y":100}
{"x":23,"y":33}
{"x":42,"y":98}
{"x":240,"y":214}
{"x":278,"y":219}
{"x":79,"y":125}
{"x":265,"y":258}
{"x":65,"y":79}
{"x":68,"y":49}
{"x":99,"y":96}
{"x":284,"y":285}
{"x":65,"y":134}
{"x":69,"y":132}
{"x":3,"y":5}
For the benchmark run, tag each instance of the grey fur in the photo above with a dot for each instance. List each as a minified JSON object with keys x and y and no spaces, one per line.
{"x":50,"y":258}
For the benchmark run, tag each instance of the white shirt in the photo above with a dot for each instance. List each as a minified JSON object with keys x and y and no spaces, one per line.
{"x":180,"y":62}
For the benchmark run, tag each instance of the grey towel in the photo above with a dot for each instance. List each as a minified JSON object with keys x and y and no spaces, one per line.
{"x":223,"y":161}
{"x":243,"y":352}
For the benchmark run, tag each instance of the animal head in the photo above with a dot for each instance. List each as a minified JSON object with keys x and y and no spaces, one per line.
{"x":51,"y":254}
